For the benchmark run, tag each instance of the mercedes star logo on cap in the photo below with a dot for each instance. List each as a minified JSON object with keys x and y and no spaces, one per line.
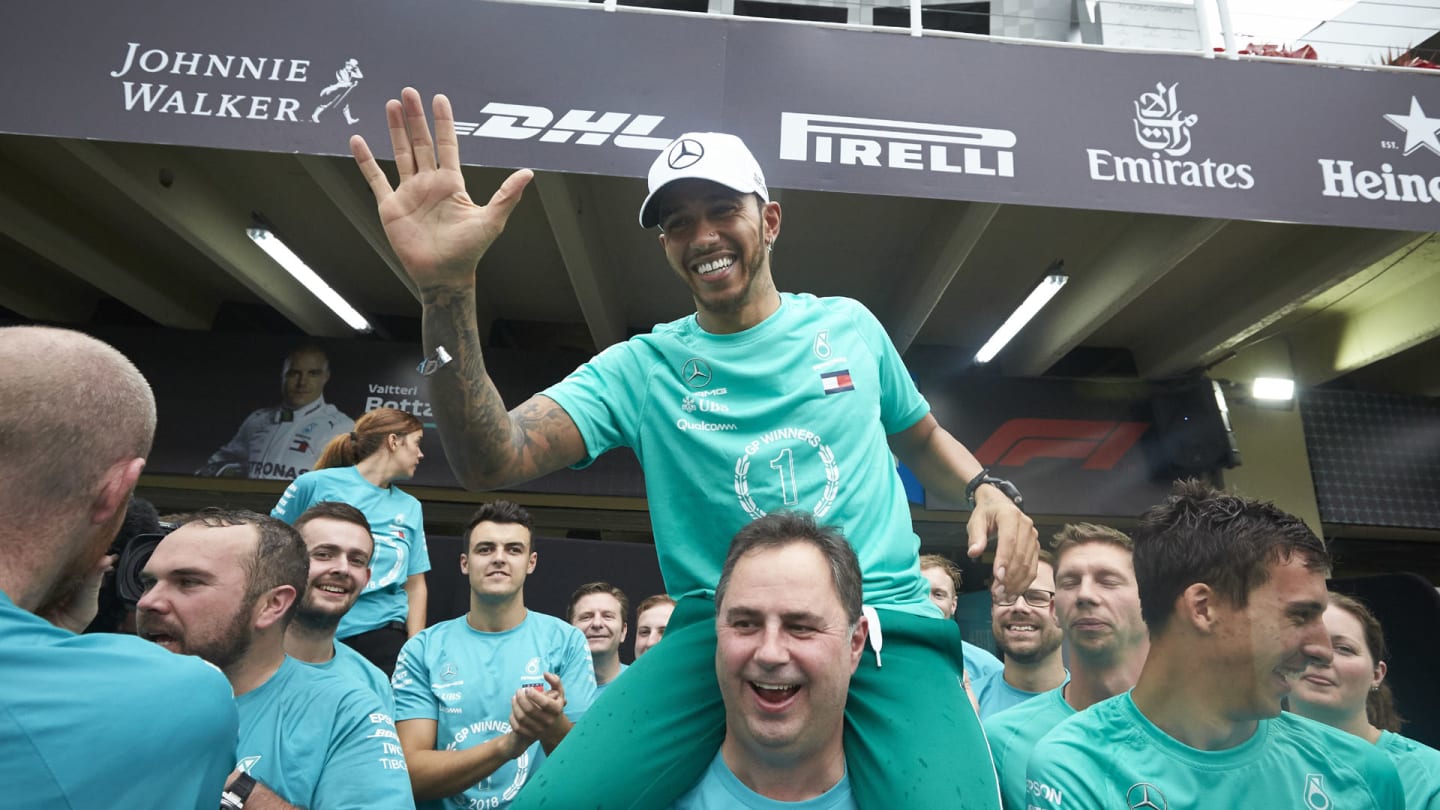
{"x":685,"y":153}
{"x":695,"y":373}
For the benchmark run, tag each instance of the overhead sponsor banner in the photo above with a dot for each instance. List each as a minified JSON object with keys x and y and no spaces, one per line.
{"x":823,"y":109}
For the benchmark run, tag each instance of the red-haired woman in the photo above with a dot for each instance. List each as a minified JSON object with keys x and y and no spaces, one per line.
{"x":360,"y":468}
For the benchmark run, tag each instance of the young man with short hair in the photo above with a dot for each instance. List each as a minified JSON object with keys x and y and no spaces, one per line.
{"x":1233,"y":591}
{"x":482,"y":699}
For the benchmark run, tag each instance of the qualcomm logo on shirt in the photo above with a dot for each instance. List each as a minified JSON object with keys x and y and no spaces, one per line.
{"x":1163,"y":128}
{"x":877,"y":142}
{"x":1422,"y":132}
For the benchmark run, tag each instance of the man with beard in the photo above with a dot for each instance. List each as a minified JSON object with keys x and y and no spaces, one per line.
{"x":337,"y":537}
{"x":598,"y":609}
{"x":85,"y":719}
{"x":223,"y":586}
{"x":284,"y":441}
{"x":482,"y":699}
{"x":758,"y":401}
{"x":1098,"y":606}
{"x":1233,"y":591}
{"x":1029,"y":637}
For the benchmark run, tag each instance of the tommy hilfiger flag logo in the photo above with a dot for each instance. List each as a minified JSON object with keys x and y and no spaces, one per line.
{"x":837,"y":382}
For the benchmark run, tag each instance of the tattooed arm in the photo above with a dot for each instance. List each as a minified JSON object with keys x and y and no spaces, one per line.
{"x":440,"y":235}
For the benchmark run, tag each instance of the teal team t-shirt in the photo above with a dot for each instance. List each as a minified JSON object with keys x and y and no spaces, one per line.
{"x":110,"y":721}
{"x":1419,"y":767}
{"x":979,"y":662}
{"x":790,"y":414}
{"x":719,"y":789}
{"x":995,"y":694}
{"x":1013,"y":734}
{"x":464,"y":680}
{"x":1112,"y":756}
{"x":352,"y":667}
{"x":321,"y":743}
{"x":399,"y":531}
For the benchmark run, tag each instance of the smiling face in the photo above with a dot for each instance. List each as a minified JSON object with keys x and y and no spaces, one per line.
{"x":1340,"y":688}
{"x":497,"y":561}
{"x":195,"y":600}
{"x":784,"y":655}
{"x":650,"y":626}
{"x":600,"y":617}
{"x":339,"y":570}
{"x":1097,"y":602}
{"x":717,"y":241}
{"x":1025,"y":633}
{"x":1270,"y":642}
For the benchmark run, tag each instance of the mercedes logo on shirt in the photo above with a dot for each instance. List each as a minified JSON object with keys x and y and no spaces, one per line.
{"x":685,"y":153}
{"x":1145,"y":796}
{"x":696,"y":373}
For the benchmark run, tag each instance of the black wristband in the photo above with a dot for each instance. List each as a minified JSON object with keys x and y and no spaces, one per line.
{"x":1006,"y":488}
{"x":237,"y":792}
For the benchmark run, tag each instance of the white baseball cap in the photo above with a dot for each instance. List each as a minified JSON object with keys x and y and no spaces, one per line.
{"x":713,"y":156}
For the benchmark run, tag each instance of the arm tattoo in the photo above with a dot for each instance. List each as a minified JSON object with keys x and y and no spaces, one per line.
{"x":488,"y":447}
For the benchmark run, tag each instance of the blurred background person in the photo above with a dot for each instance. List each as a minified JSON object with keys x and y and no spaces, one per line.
{"x":284,"y":441}
{"x":1350,"y":694}
{"x":360,"y":468}
{"x":651,"y":619}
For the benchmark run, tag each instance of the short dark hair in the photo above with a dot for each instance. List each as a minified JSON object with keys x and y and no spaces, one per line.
{"x":335,"y":510}
{"x":780,"y":529}
{"x":1200,"y":534}
{"x":500,"y":512}
{"x":599,"y":587}
{"x":280,"y":556}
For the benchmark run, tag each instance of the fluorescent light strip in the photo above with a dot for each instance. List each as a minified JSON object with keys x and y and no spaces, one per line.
{"x":286,"y":258}
{"x":1275,"y":388}
{"x":1033,"y":303}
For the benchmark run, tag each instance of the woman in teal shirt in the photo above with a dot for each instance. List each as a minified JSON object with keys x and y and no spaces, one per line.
{"x":1351,"y":695}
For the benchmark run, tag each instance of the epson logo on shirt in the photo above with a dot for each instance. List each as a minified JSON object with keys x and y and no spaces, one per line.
{"x":1043,"y":791}
{"x":519,"y":122}
{"x":852,"y":141}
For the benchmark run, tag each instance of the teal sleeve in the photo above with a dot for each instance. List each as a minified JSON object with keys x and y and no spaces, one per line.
{"x":365,"y":766}
{"x":604,"y":398}
{"x":419,"y":550}
{"x":296,"y":498}
{"x":1056,"y":778}
{"x":414,"y":700}
{"x":901,"y":404}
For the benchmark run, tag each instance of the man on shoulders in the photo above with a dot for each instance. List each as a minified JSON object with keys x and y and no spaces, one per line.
{"x":1233,"y":591}
{"x":483,"y":698}
{"x":598,"y":609}
{"x":1028,"y":635}
{"x":85,"y":719}
{"x":791,"y":633}
{"x":1098,"y":606}
{"x":338,"y":540}
{"x":224,"y":586}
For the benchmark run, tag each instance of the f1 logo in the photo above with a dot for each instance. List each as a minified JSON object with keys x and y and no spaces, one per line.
{"x":1100,"y":443}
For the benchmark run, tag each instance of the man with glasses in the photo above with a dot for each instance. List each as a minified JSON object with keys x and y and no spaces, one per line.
{"x":1028,"y":634}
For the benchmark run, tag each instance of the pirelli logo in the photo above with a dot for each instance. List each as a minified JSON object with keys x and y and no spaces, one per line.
{"x":881,"y":142}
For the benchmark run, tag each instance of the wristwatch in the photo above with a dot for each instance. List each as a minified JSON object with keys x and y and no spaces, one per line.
{"x":237,"y":792}
{"x":1008,"y":489}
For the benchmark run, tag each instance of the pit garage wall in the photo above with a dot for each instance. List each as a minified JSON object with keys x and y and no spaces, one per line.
{"x":1081,"y":448}
{"x":574,"y":88}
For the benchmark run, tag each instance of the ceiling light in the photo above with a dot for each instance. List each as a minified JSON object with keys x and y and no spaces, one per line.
{"x":1276,"y":388}
{"x":286,"y":258}
{"x":1033,"y":303}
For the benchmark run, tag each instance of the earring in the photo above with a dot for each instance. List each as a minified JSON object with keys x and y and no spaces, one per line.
{"x":1375,"y":687}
